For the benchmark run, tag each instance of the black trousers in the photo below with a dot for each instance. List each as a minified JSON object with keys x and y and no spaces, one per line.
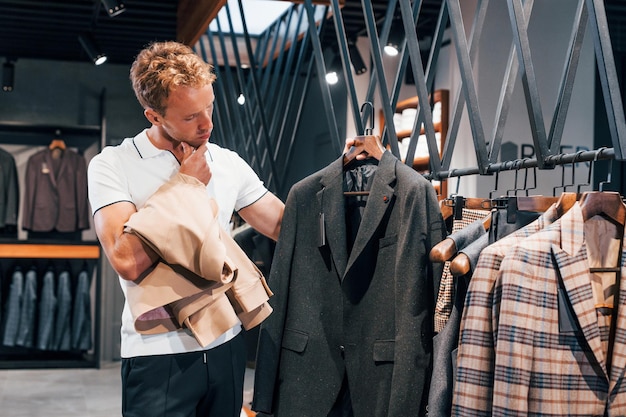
{"x":207,"y":383}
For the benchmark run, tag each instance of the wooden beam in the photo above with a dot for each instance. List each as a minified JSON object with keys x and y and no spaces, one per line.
{"x":193,"y":18}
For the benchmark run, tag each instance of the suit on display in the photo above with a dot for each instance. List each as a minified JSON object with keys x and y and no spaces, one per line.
{"x":55,"y":195}
{"x":363,"y":315}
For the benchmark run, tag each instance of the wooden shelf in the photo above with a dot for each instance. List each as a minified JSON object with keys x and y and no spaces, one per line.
{"x":51,"y":251}
{"x":421,"y":163}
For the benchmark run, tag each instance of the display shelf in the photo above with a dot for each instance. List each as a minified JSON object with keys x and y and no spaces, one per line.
{"x":421,"y":160}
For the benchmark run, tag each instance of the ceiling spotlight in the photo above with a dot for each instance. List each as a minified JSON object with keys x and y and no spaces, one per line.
{"x":396,"y":36}
{"x":113,"y":7}
{"x":332,"y":78}
{"x":91,"y":47}
{"x":8,"y":75}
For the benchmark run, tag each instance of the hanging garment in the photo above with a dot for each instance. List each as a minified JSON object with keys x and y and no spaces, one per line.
{"x":55,"y":193}
{"x":464,"y":231}
{"x":473,"y":384}
{"x":62,"y":320}
{"x":47,"y":311}
{"x":81,"y":313}
{"x":553,"y":362}
{"x":13,"y":307}
{"x":28,"y":309}
{"x":9,"y":194}
{"x":445,"y":343}
{"x":364,"y":315}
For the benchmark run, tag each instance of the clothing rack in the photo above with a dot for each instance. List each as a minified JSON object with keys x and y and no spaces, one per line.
{"x":549,"y":163}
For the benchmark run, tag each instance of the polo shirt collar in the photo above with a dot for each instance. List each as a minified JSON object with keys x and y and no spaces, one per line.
{"x":145,"y":148}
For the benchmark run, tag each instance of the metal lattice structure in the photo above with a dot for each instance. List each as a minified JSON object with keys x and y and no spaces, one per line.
{"x":289,"y":54}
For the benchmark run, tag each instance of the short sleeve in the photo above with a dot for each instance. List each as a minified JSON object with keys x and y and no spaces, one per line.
{"x":106,"y":184}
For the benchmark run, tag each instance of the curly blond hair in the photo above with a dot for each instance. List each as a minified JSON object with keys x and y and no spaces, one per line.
{"x":162,"y":66}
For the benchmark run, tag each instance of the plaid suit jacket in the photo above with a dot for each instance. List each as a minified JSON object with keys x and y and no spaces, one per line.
{"x":541,"y":369}
{"x":475,"y":357}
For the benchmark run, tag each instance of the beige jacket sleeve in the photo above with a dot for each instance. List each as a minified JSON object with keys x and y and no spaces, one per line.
{"x":192,"y":245}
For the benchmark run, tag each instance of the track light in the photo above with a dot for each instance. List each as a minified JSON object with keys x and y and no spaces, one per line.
{"x":91,"y":48}
{"x":396,"y":36}
{"x":357,"y":60}
{"x":8,"y":76}
{"x":113,"y":7}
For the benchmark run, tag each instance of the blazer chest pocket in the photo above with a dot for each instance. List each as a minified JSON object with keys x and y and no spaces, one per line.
{"x":295,"y":340}
{"x":384,"y":351}
{"x":387,"y":241}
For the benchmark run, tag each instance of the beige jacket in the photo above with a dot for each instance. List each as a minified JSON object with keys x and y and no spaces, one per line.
{"x":204,"y":281}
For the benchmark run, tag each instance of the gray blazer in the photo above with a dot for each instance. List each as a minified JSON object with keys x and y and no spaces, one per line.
{"x":367,"y":315}
{"x":9,"y":190}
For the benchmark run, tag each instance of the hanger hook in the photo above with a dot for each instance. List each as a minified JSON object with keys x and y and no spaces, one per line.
{"x":497,"y":172}
{"x":369,"y":130}
{"x":588,"y":173}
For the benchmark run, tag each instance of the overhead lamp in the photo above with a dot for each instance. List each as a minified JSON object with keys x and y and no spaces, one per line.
{"x":396,"y":36}
{"x":333,"y":66}
{"x":92,"y":49}
{"x":8,"y":76}
{"x":357,"y":60}
{"x":113,"y":7}
{"x":331,"y":77}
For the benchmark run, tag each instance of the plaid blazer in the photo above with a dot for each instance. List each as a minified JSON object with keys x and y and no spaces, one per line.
{"x":473,"y":383}
{"x":541,"y":366}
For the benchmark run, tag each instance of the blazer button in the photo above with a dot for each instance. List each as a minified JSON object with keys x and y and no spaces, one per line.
{"x":342,"y":348}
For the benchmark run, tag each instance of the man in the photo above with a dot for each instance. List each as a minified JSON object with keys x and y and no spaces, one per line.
{"x":171,"y":374}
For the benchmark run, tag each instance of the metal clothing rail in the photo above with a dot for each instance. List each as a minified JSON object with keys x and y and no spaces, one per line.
{"x":516,"y":164}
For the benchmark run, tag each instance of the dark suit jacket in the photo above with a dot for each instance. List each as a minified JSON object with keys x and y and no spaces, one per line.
{"x":367,"y":314}
{"x":55,"y":199}
{"x":9,"y":190}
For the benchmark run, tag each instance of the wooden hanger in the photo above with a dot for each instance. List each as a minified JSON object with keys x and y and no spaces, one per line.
{"x":460,"y":265}
{"x":565,"y":202}
{"x":371,"y":146}
{"x":57,"y":144}
{"x":446,"y":249}
{"x":368,"y":144}
{"x":607,"y":203}
{"x":447,"y":210}
{"x":535,"y":203}
{"x":443,"y":251}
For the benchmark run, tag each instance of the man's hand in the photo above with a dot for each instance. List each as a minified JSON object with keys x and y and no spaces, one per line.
{"x":194,"y":163}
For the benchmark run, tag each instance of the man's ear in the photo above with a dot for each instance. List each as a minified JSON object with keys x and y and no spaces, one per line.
{"x":152,"y":116}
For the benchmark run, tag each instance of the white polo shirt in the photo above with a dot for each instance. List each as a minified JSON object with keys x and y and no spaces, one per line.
{"x":133,"y":171}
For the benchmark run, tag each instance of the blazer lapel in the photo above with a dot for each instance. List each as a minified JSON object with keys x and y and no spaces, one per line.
{"x":48,"y":167}
{"x":330,"y":200}
{"x":379,"y":201}
{"x":573,"y":266}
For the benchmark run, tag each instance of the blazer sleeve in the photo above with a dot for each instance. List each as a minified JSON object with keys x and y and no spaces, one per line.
{"x":271,"y":332}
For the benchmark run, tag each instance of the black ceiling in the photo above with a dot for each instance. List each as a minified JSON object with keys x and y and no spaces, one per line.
{"x":49,"y":29}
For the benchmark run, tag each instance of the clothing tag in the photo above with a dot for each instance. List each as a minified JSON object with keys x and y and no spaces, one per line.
{"x":322,"y":231}
{"x":567,"y":322}
{"x":45,"y":169}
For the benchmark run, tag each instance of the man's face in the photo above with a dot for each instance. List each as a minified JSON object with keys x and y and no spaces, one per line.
{"x":189,"y":113}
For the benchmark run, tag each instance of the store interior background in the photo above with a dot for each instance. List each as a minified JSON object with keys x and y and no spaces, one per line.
{"x":58,"y":92}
